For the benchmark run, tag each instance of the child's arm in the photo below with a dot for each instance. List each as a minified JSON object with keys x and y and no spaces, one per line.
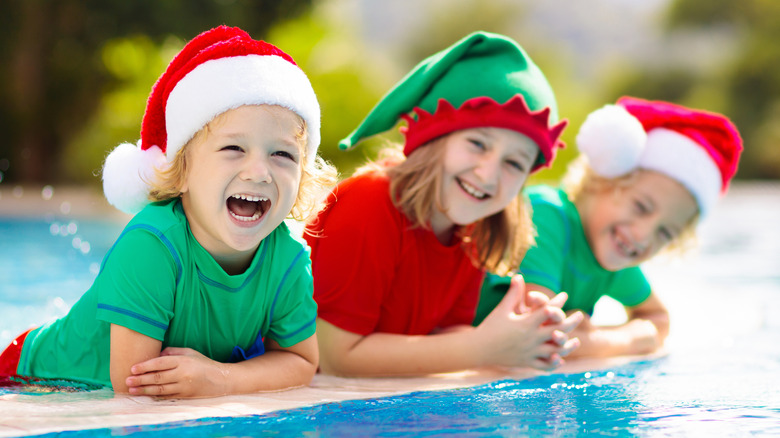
{"x":504,"y":338}
{"x":645,"y":331}
{"x":128,"y":347}
{"x":183,"y":372}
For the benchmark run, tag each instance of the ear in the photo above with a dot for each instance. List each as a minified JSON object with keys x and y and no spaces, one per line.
{"x":184,"y":156}
{"x":184,"y":188}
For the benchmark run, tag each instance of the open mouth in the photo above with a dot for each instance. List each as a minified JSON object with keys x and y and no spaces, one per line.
{"x":624,"y":247}
{"x":471,"y":190}
{"x":247,"y":208}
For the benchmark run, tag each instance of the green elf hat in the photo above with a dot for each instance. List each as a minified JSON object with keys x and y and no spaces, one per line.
{"x":485,"y":79}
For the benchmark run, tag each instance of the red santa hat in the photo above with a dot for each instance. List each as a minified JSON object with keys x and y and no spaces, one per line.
{"x":220,"y":69}
{"x":699,"y":149}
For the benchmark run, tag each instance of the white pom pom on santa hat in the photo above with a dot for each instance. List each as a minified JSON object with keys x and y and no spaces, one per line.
{"x":126,"y":173}
{"x":612,"y":140}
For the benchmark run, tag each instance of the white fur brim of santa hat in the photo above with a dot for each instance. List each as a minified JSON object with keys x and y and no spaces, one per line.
{"x":652,"y":135}
{"x":227,"y":83}
{"x":219,"y":70}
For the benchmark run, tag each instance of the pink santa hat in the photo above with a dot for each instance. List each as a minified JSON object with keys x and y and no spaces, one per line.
{"x":220,"y":69}
{"x":699,"y":149}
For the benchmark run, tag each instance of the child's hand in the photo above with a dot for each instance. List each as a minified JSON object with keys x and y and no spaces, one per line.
{"x":645,"y":337}
{"x":179,"y":373}
{"x":637,"y":336}
{"x":538,"y":338}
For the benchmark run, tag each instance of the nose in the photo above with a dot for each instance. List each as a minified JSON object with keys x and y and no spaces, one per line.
{"x":643,"y":234}
{"x":256,"y":169}
{"x":487,"y":169}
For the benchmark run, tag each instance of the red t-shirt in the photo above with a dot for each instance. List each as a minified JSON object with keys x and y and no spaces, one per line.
{"x":373,"y":272}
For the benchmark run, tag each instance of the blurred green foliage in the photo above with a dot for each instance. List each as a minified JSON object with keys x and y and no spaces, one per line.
{"x":137,"y":61}
{"x":59,"y":68}
{"x":746,"y":88}
{"x":347,"y":83}
{"x":79,"y":71}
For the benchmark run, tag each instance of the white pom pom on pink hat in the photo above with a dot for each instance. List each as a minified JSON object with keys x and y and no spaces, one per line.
{"x":699,"y":149}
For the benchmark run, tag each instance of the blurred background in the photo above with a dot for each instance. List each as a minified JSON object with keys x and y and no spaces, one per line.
{"x":76,"y":73}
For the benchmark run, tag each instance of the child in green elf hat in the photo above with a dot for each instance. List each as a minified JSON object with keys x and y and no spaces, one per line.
{"x":400,"y":251}
{"x":648,"y":171}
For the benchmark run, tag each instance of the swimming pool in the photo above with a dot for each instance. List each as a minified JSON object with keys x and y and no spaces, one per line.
{"x":721,"y":376}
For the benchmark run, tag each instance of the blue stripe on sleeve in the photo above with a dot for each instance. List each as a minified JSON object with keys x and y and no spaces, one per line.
{"x":304,"y":327}
{"x":284,"y":279}
{"x":132,"y":314}
{"x":159,"y":235}
{"x":549,"y":280}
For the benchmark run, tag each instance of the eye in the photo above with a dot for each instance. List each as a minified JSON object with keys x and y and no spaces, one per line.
{"x":477,"y":144}
{"x":516,"y":165}
{"x":286,"y":155}
{"x":233,"y":148}
{"x":666,"y":234}
{"x":640,"y":207}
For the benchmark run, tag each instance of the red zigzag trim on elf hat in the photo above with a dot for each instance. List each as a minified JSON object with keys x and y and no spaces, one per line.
{"x":481,"y":112}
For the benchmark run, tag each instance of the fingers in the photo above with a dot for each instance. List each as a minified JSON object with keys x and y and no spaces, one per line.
{"x":554,"y":315}
{"x":165,"y":390}
{"x":177,"y":351}
{"x":161,"y":363}
{"x":559,"y":300}
{"x":158,"y":383}
{"x":559,"y":338}
{"x":537,"y":317}
{"x":536,"y":299}
{"x":514,"y":297}
{"x":570,"y":345}
{"x":570,"y":323}
{"x":542,"y":365}
{"x":551,"y":356}
{"x":549,"y":363}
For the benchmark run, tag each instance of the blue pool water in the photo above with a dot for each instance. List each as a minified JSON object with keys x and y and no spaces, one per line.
{"x":45,"y":266}
{"x":644,"y":399}
{"x":721,"y":377}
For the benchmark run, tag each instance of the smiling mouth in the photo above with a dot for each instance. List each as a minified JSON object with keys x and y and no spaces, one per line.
{"x":627,"y":250}
{"x":471,"y":190}
{"x":247,"y":208}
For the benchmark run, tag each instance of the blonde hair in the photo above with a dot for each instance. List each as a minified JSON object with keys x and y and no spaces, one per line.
{"x":495,"y":243}
{"x":580,"y":181}
{"x":317,"y":175}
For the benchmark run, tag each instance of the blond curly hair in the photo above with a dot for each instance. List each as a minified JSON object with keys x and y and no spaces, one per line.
{"x":317,"y":175}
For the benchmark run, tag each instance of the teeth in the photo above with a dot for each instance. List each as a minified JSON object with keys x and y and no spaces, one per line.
{"x":626,"y":249}
{"x":254,"y":217}
{"x":471,"y":190}
{"x":249,"y":198}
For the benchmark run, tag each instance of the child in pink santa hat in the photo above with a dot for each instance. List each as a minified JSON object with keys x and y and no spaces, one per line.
{"x":647,"y":173}
{"x":205,"y":292}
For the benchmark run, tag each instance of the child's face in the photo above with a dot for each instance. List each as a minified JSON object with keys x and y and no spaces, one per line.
{"x":627,"y":226}
{"x":242,"y":179}
{"x":484,"y":169}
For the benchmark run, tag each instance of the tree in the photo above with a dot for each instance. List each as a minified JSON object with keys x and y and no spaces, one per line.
{"x":53,"y":78}
{"x":746,"y":88}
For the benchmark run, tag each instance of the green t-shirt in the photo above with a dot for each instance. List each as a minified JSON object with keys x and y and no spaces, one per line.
{"x":562,"y":261}
{"x":159,"y":281}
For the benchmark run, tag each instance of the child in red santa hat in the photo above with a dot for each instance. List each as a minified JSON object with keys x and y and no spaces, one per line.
{"x":647,"y":173}
{"x":205,"y":292}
